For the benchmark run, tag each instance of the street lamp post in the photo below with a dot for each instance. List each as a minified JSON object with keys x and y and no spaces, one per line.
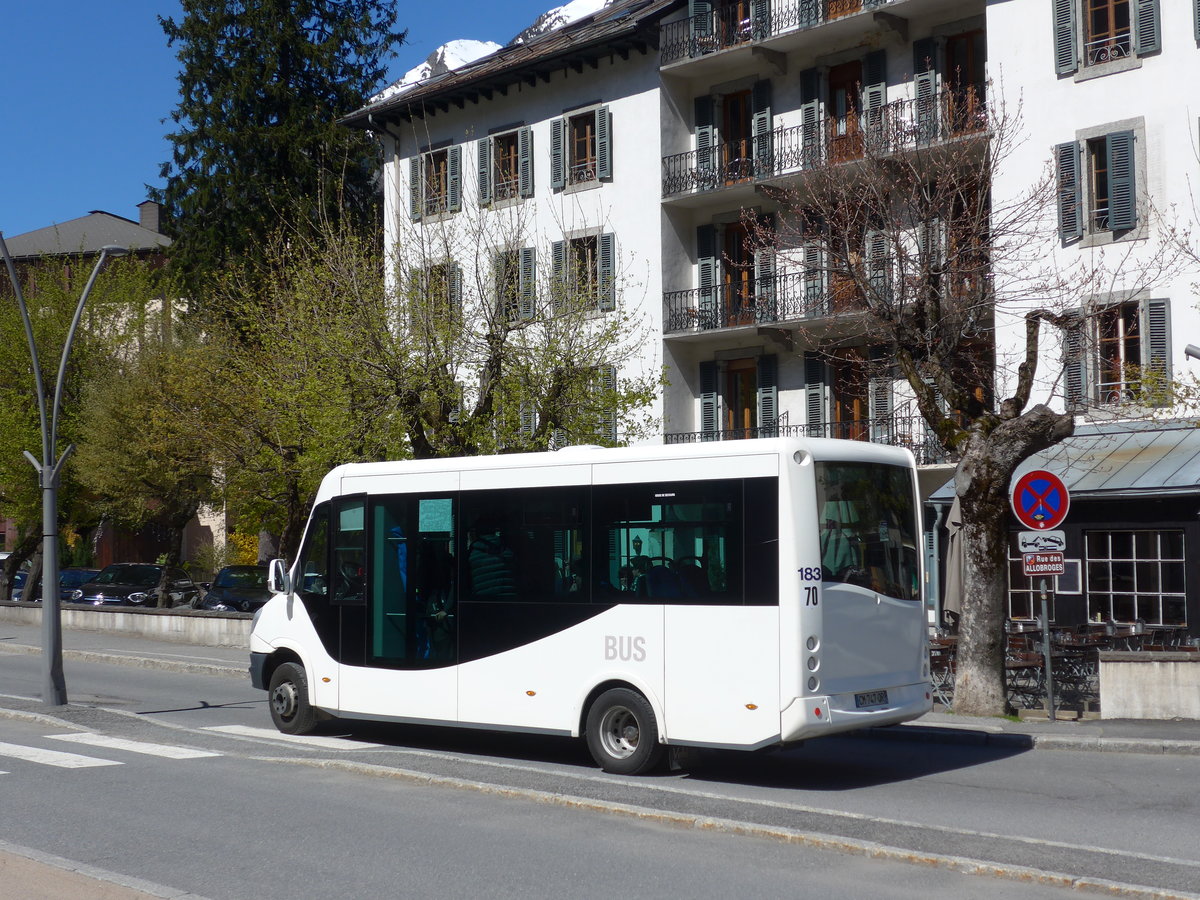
{"x":54,"y":690}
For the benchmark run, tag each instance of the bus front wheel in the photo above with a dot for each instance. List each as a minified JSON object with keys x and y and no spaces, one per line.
{"x":288,"y":696}
{"x":622,"y":733}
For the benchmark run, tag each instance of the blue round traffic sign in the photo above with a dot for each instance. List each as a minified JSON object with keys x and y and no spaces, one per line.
{"x":1040,"y":500}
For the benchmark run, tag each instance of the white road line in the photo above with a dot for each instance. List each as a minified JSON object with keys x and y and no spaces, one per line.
{"x":53,"y":757}
{"x":169,"y":751}
{"x":324,"y":743}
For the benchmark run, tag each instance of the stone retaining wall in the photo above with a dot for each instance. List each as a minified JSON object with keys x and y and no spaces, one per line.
{"x":187,"y":626}
{"x":1149,"y":685}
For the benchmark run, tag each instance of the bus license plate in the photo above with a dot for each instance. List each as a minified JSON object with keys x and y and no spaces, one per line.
{"x":871,"y":698}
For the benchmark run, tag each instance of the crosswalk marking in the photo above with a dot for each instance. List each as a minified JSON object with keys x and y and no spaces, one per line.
{"x":53,"y":757}
{"x":147,"y":747}
{"x":324,"y":743}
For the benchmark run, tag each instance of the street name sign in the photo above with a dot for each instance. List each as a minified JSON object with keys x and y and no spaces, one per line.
{"x":1049,"y":563}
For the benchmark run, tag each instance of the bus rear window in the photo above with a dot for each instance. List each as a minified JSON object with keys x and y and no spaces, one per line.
{"x":868,"y":527}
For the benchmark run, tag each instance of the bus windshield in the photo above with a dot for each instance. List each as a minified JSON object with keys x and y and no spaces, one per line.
{"x":868,"y":527}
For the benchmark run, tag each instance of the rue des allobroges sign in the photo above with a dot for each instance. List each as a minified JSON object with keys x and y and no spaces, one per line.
{"x":1040,"y":501}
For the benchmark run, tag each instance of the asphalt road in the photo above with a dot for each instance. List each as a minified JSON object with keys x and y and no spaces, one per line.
{"x":407,"y":811}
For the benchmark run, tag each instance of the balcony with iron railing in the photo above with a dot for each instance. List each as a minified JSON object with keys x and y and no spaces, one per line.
{"x":883,"y":131}
{"x":731,"y":25}
{"x":779,"y":298}
{"x":911,"y":432}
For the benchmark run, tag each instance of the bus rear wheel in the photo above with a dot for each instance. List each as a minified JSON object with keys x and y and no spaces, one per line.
{"x":288,"y":696}
{"x":622,"y":733}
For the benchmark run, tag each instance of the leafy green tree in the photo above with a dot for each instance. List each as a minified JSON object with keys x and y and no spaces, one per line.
{"x":256,"y":141}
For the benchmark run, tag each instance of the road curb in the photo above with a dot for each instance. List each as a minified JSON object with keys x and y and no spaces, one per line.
{"x":939,"y":734}
{"x":141,"y":662}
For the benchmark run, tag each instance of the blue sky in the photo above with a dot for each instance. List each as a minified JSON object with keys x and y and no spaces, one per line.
{"x":88,"y":84}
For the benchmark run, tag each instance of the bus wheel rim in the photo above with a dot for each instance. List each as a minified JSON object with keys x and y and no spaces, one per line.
{"x":620,"y":732}
{"x":283,"y":699}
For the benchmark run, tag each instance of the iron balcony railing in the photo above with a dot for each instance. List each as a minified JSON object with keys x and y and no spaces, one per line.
{"x":1109,"y":48}
{"x":896,"y":431}
{"x":882,"y":131}
{"x":778,"y":298}
{"x":735,"y":24}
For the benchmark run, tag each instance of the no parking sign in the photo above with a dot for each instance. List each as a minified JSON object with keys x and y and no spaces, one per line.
{"x":1040,"y":500}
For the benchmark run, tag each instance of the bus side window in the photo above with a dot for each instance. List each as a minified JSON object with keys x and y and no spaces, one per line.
{"x":314,"y":557}
{"x":349,"y":552}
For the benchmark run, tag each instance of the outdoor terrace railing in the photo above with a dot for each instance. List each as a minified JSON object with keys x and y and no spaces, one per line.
{"x":882,"y":131}
{"x":740,"y":23}
{"x":897,"y":431}
{"x":775,"y":299}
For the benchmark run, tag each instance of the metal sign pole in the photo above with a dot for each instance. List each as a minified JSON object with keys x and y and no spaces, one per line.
{"x":1046,"y":650}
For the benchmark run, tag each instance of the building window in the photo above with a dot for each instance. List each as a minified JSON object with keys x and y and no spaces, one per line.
{"x":1024,"y":591}
{"x":1097,"y":185}
{"x":1094,"y":34}
{"x":435,"y":301}
{"x":1134,"y":575}
{"x":514,"y":280}
{"x":584,"y":271}
{"x":581,"y":148}
{"x":1119,"y":354}
{"x":505,"y":166}
{"x":435,"y":182}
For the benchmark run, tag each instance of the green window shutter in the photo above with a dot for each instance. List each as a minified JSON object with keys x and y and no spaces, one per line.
{"x":485,"y":171}
{"x":764,"y":285}
{"x":760,"y":19}
{"x":879,"y":268}
{"x":1147,"y":37}
{"x":608,"y":417}
{"x":1196,"y":19}
{"x":708,"y":400}
{"x":525,"y":161}
{"x":1070,"y":209}
{"x":879,"y":398}
{"x":1066,"y":61}
{"x":814,"y":280}
{"x":925,"y":88}
{"x":528,"y":420}
{"x":700,"y":26}
{"x":454,"y":289}
{"x":604,"y":143}
{"x":768,"y":396}
{"x":1156,"y":342}
{"x":558,"y":150}
{"x":1075,"y":364}
{"x":874,"y":98}
{"x":454,"y":187}
{"x":706,"y":142}
{"x":558,"y":274}
{"x":760,"y":125}
{"x":706,"y":274}
{"x":810,"y":117}
{"x":607,"y":275}
{"x":814,"y":393}
{"x":1122,"y":191}
{"x":414,"y":188}
{"x":527,"y":282}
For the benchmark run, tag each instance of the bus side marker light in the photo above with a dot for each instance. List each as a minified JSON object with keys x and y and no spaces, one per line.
{"x":751,"y":706}
{"x":531,"y":693}
{"x":326,"y":679}
{"x":817,"y":711}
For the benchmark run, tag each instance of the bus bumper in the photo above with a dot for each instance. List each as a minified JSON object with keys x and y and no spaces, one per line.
{"x":808,"y":717}
{"x":258,"y":663}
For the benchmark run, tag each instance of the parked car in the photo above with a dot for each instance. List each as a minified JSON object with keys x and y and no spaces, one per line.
{"x":18,"y":584}
{"x":133,"y":584}
{"x":68,"y":580}
{"x":241,"y":588}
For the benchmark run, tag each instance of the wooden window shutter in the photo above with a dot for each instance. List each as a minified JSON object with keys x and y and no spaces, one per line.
{"x":1066,"y":61}
{"x":700,"y":25}
{"x":879,"y":397}
{"x":768,"y":396}
{"x":454,"y":186}
{"x":925,"y":88}
{"x":607,"y":274}
{"x":608,"y":418}
{"x":558,"y":274}
{"x":760,"y":19}
{"x":454,"y":289}
{"x":707,"y":275}
{"x":527,"y":283}
{"x":810,"y":117}
{"x":706,"y":141}
{"x":874,"y":99}
{"x":708,"y":400}
{"x":1156,"y":341}
{"x":764,"y":284}
{"x":1147,"y":37}
{"x":814,"y":393}
{"x":604,"y":168}
{"x":485,"y":171}
{"x":760,"y":125}
{"x":558,"y":150}
{"x":1122,"y":191}
{"x":414,"y":188}
{"x":1075,"y":365}
{"x":1070,"y":209}
{"x":525,"y":161}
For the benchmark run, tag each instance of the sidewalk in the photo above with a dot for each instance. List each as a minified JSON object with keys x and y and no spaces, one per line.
{"x":1172,"y":736}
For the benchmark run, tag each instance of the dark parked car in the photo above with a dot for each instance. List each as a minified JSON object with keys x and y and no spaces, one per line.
{"x":241,"y":588}
{"x":68,"y":580}
{"x":18,"y":585}
{"x":133,"y":584}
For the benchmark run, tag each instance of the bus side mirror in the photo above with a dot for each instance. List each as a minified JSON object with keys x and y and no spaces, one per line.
{"x":278,"y":579}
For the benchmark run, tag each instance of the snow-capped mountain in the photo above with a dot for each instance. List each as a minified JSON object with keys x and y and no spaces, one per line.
{"x":456,"y":54}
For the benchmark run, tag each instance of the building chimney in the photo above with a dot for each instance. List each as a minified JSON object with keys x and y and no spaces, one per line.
{"x":148,"y":215}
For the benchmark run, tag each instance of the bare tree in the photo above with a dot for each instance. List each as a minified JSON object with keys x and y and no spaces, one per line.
{"x":894,"y":232}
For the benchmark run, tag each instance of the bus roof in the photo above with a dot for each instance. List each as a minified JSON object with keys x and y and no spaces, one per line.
{"x":574,"y":465}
